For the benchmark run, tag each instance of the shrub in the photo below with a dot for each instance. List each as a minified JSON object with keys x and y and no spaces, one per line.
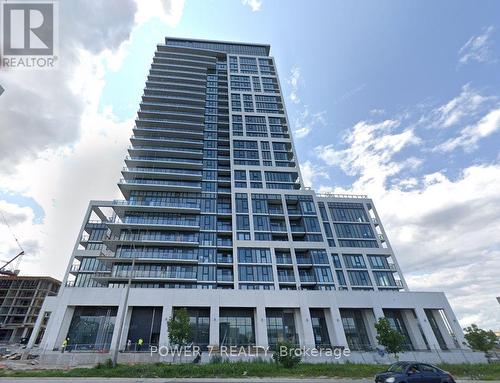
{"x":287,"y":354}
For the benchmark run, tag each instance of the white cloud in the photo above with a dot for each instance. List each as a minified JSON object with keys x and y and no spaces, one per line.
{"x":478,"y":48}
{"x":168,"y":11}
{"x":370,"y":152}
{"x":293,"y":80}
{"x":255,"y":5}
{"x":310,"y":172}
{"x":467,"y":104}
{"x":66,"y":138}
{"x":444,"y":231}
{"x":470,"y":135}
{"x":305,"y":122}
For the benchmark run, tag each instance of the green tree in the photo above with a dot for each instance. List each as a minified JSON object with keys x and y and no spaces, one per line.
{"x":479,"y":339}
{"x":388,"y":337}
{"x":179,"y":330}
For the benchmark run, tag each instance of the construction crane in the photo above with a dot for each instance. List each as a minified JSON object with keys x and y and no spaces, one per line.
{"x":14,"y":267}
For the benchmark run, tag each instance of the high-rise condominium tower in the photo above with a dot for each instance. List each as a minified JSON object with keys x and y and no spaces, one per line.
{"x":215,"y":218}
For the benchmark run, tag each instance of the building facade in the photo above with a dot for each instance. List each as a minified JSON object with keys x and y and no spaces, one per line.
{"x":215,"y":218}
{"x":21,"y":299}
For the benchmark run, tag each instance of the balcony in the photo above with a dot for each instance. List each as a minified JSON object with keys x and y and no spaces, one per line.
{"x":141,"y":223}
{"x":280,"y":260}
{"x":149,"y":274}
{"x":224,"y":227}
{"x":177,"y":256}
{"x":152,"y":239}
{"x":162,"y":173}
{"x":167,"y":142}
{"x":168,"y":123}
{"x":224,"y":277}
{"x":186,"y":153}
{"x":286,"y":278}
{"x":307,"y":278}
{"x":184,"y":163}
{"x":126,"y":186}
{"x":122,"y":206}
{"x":304,"y":260}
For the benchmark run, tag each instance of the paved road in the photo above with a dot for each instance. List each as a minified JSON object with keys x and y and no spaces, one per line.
{"x":163,"y":380}
{"x":178,"y":380}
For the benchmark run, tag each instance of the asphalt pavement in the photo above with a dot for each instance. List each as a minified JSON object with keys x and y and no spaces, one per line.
{"x":187,"y":380}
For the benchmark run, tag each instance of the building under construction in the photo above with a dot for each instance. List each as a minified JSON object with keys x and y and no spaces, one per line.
{"x":21,"y":298}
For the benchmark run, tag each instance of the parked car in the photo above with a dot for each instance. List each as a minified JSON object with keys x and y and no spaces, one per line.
{"x":414,"y":372}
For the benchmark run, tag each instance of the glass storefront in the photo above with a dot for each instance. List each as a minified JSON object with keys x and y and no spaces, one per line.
{"x":145,"y":324}
{"x":281,"y":327}
{"x":355,"y":330}
{"x":236,"y":327}
{"x":397,"y":323}
{"x":91,"y":328}
{"x":199,"y":323}
{"x":320,"y":330}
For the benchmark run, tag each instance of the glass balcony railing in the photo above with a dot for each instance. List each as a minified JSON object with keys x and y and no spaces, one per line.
{"x":161,"y":182}
{"x":194,"y":222}
{"x":160,"y":237}
{"x":286,"y":278}
{"x":167,"y":121}
{"x":307,"y":278}
{"x":166,"y":149}
{"x":283,"y":260}
{"x":224,"y":277}
{"x":162,"y":170}
{"x":160,"y":203}
{"x":158,"y":254}
{"x":304,"y":260}
{"x":221,"y":227}
{"x":224,"y":242}
{"x":165,"y":139}
{"x":165,"y":159}
{"x":156,"y":274}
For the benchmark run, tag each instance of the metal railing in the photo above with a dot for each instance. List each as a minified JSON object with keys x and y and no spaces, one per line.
{"x":335,"y":195}
{"x":163,"y":139}
{"x":194,"y":222}
{"x":165,"y":148}
{"x":286,"y":278}
{"x":165,"y":159}
{"x":162,"y":170}
{"x":158,"y":204}
{"x":123,"y":181}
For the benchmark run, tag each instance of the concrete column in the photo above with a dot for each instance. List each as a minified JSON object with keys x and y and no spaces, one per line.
{"x":165,"y":316}
{"x":427,"y":329}
{"x":337,"y":329}
{"x":261,"y":326}
{"x":61,"y":321}
{"x":126,"y":326}
{"x":454,"y":324}
{"x":214,"y":326}
{"x":36,"y":329}
{"x":275,"y":269}
{"x":443,"y":330}
{"x":308,"y":339}
{"x":117,"y":335}
{"x":378,"y":312}
{"x":412,"y":326}
{"x":369,"y":322}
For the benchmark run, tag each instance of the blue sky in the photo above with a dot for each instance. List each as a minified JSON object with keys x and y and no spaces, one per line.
{"x":358,"y":60}
{"x":399,"y":100}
